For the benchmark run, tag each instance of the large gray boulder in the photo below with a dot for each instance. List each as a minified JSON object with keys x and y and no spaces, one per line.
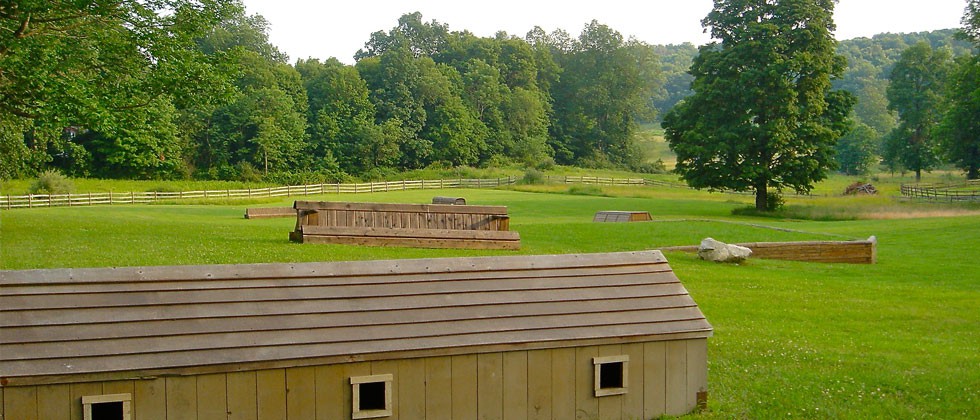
{"x":717,"y":251}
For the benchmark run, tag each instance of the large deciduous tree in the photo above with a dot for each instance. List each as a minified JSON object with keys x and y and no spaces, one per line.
{"x":916,"y":93}
{"x":763,"y":114}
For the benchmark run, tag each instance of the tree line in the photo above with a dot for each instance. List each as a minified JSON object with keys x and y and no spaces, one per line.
{"x":181,"y":89}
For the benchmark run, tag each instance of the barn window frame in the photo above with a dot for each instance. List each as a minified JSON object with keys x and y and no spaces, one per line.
{"x":356,"y":382}
{"x":602,"y":365}
{"x":125,"y":400}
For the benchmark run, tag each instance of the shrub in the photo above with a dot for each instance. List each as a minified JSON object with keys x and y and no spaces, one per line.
{"x":533,"y":177}
{"x":51,"y":182}
{"x":774,"y":200}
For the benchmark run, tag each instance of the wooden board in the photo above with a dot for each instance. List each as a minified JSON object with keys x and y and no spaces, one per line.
{"x":414,"y":238}
{"x":20,"y":403}
{"x":439,"y":387}
{"x":563,"y":383}
{"x":212,"y":396}
{"x":150,"y":400}
{"x":465,"y":394}
{"x":677,"y":399}
{"x":654,"y":379}
{"x":242,"y":396}
{"x":847,"y":252}
{"x":182,"y":398}
{"x":330,"y":381}
{"x":411,"y":383}
{"x":490,"y":386}
{"x":270,"y":212}
{"x":271,"y":394}
{"x":539,"y":383}
{"x":301,"y":393}
{"x":53,"y":402}
{"x":515,"y":385}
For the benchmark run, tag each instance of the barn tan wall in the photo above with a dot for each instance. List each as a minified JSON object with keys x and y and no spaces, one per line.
{"x":664,"y":378}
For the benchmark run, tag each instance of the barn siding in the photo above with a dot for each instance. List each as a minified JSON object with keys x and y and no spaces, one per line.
{"x":150,"y":400}
{"x":515,"y":382}
{"x":539,"y":384}
{"x":53,"y":402}
{"x":410,"y":386}
{"x":242,"y":396}
{"x":329,"y":396}
{"x":438,"y":387}
{"x":664,"y":377}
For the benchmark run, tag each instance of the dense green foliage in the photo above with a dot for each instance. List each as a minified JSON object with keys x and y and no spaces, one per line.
{"x":201,"y":93}
{"x":915,"y":93}
{"x":762,"y":115}
{"x":960,"y":129}
{"x":857,"y":151}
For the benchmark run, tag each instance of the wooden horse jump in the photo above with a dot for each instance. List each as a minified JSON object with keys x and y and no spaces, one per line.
{"x":269,"y":212}
{"x":622,"y":216}
{"x":409,"y":225}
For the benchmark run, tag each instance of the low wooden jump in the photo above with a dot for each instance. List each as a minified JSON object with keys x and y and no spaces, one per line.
{"x":269,"y":212}
{"x":456,"y":201}
{"x":622,"y":216}
{"x":408,"y":225}
{"x":850,"y":252}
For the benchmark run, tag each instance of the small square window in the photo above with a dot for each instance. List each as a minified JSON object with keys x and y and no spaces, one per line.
{"x":107,"y":407}
{"x":372,"y":396}
{"x":611,"y":375}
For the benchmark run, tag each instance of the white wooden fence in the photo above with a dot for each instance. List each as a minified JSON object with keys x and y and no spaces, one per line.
{"x":111,"y":198}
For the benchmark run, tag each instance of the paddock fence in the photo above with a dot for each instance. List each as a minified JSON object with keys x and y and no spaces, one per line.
{"x":595,"y":180}
{"x":968,"y":191}
{"x":113,"y":198}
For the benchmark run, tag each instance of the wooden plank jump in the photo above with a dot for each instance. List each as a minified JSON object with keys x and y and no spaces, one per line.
{"x":409,"y":225}
{"x":849,"y":252}
{"x":449,"y":200}
{"x":622,"y":216}
{"x":269,"y":212}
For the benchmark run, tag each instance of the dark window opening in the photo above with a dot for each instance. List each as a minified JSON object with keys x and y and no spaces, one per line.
{"x":372,"y":396}
{"x":611,"y":375}
{"x":108,"y":411}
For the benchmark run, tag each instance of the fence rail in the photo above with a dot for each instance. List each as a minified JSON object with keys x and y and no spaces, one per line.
{"x":969,"y":191}
{"x":610,"y":181}
{"x":111,"y":198}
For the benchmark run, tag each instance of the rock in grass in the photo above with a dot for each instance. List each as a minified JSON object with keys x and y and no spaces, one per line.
{"x":717,"y":251}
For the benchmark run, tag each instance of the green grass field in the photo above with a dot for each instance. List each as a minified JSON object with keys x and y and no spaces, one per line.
{"x":899,"y":339}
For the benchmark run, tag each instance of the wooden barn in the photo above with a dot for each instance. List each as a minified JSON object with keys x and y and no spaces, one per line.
{"x":610,"y":336}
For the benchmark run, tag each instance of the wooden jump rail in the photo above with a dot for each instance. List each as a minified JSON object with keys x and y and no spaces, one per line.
{"x":269,"y":212}
{"x":850,"y":252}
{"x":409,"y":225}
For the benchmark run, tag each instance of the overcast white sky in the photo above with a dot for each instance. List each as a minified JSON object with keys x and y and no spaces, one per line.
{"x":323,"y":29}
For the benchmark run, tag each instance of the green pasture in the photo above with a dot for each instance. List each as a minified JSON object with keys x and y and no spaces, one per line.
{"x":899,"y":339}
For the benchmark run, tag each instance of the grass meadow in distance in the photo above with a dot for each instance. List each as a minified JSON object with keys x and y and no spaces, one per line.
{"x":898,"y":339}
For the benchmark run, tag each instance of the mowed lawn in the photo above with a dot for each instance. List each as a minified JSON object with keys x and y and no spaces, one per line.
{"x":899,"y":339}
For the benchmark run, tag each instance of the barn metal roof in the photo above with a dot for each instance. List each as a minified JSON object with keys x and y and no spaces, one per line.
{"x":69,"y":325}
